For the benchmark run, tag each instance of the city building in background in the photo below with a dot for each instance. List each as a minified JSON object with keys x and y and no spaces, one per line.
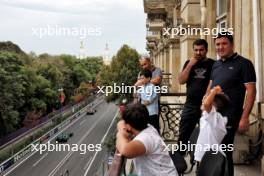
{"x":171,"y":25}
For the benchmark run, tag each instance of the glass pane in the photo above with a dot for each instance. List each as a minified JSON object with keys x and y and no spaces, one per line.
{"x":220,"y":7}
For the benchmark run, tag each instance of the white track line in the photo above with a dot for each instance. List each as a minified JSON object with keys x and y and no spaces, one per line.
{"x":53,"y":172}
{"x":82,"y":122}
{"x":87,"y":163}
{"x":46,"y":142}
{"x":46,"y":154}
{"x":86,"y":172}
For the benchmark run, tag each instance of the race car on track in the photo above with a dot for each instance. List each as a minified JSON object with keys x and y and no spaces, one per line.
{"x":64,"y":137}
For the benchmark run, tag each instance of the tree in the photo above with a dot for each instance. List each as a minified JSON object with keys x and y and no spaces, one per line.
{"x":11,"y":94}
{"x":29,"y":84}
{"x":92,"y":65}
{"x":123,"y":69}
{"x":52,"y":73}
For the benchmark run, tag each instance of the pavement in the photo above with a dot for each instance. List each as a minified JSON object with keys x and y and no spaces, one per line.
{"x":253,"y":169}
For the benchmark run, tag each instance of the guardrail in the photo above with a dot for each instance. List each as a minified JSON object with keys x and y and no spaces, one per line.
{"x":28,"y":149}
{"x":5,"y":141}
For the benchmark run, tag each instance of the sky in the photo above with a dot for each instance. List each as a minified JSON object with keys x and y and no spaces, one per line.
{"x":58,"y":26}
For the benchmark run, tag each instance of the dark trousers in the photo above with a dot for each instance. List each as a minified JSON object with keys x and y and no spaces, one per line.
{"x":189,"y":119}
{"x":229,"y":139}
{"x":154,"y":121}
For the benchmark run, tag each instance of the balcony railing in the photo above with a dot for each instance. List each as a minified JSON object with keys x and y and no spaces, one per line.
{"x":117,"y":165}
{"x":166,"y":80}
{"x":150,"y":5}
{"x":170,"y":114}
{"x":156,"y":24}
{"x":171,"y":106}
{"x":153,"y":36}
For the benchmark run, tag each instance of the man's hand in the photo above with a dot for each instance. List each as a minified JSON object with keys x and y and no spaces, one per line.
{"x":121,"y":125}
{"x":249,"y":101}
{"x":138,"y":83}
{"x":122,"y":130}
{"x":243,"y":125}
{"x":193,"y":61}
{"x":123,"y":133}
{"x":184,"y":75}
{"x":146,"y":103}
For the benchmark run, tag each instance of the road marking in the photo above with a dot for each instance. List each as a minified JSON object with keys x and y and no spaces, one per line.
{"x":69,"y":125}
{"x":86,"y":172}
{"x":79,"y":142}
{"x":82,"y":122}
{"x":37,"y":151}
{"x":87,"y":163}
{"x":46,"y":154}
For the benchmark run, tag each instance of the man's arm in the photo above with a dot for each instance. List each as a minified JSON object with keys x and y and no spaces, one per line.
{"x":139,"y":81}
{"x":184,"y":75}
{"x":249,"y":101}
{"x":125,"y":146}
{"x":156,"y":80}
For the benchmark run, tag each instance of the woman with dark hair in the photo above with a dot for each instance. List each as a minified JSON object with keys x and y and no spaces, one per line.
{"x":138,"y":140}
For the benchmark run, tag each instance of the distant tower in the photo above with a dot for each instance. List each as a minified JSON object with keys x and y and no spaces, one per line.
{"x":82,"y":50}
{"x":106,"y":56}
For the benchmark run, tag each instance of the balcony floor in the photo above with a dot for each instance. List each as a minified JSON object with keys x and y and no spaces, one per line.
{"x":253,"y":169}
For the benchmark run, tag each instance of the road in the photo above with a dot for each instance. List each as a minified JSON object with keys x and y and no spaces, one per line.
{"x":88,"y":130}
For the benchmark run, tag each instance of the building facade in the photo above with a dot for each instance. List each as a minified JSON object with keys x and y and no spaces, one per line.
{"x":169,"y":48}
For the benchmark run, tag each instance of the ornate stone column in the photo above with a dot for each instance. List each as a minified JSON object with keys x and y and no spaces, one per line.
{"x":174,"y":64}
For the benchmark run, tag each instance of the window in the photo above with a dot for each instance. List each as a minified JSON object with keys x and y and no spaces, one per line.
{"x":220,"y":7}
{"x":221,"y":13}
{"x":221,"y":24}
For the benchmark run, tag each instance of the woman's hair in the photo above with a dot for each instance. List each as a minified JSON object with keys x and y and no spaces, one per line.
{"x":137,"y":116}
{"x":221,"y":102}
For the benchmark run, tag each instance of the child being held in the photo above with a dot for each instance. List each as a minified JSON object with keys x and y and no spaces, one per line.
{"x":149,"y":98}
{"x":212,"y":123}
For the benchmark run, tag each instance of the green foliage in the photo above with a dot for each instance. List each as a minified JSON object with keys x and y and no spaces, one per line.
{"x":29,"y":83}
{"x":123,"y":69}
{"x":93,"y":65}
{"x":52,"y":73}
{"x":11,"y":94}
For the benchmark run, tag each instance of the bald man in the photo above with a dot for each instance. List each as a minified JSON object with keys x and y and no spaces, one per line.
{"x":146,"y":64}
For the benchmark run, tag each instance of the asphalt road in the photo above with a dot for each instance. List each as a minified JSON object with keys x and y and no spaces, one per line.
{"x":88,"y":130}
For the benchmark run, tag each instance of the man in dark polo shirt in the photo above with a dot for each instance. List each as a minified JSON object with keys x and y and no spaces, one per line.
{"x":196,"y":74}
{"x":236,"y":76}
